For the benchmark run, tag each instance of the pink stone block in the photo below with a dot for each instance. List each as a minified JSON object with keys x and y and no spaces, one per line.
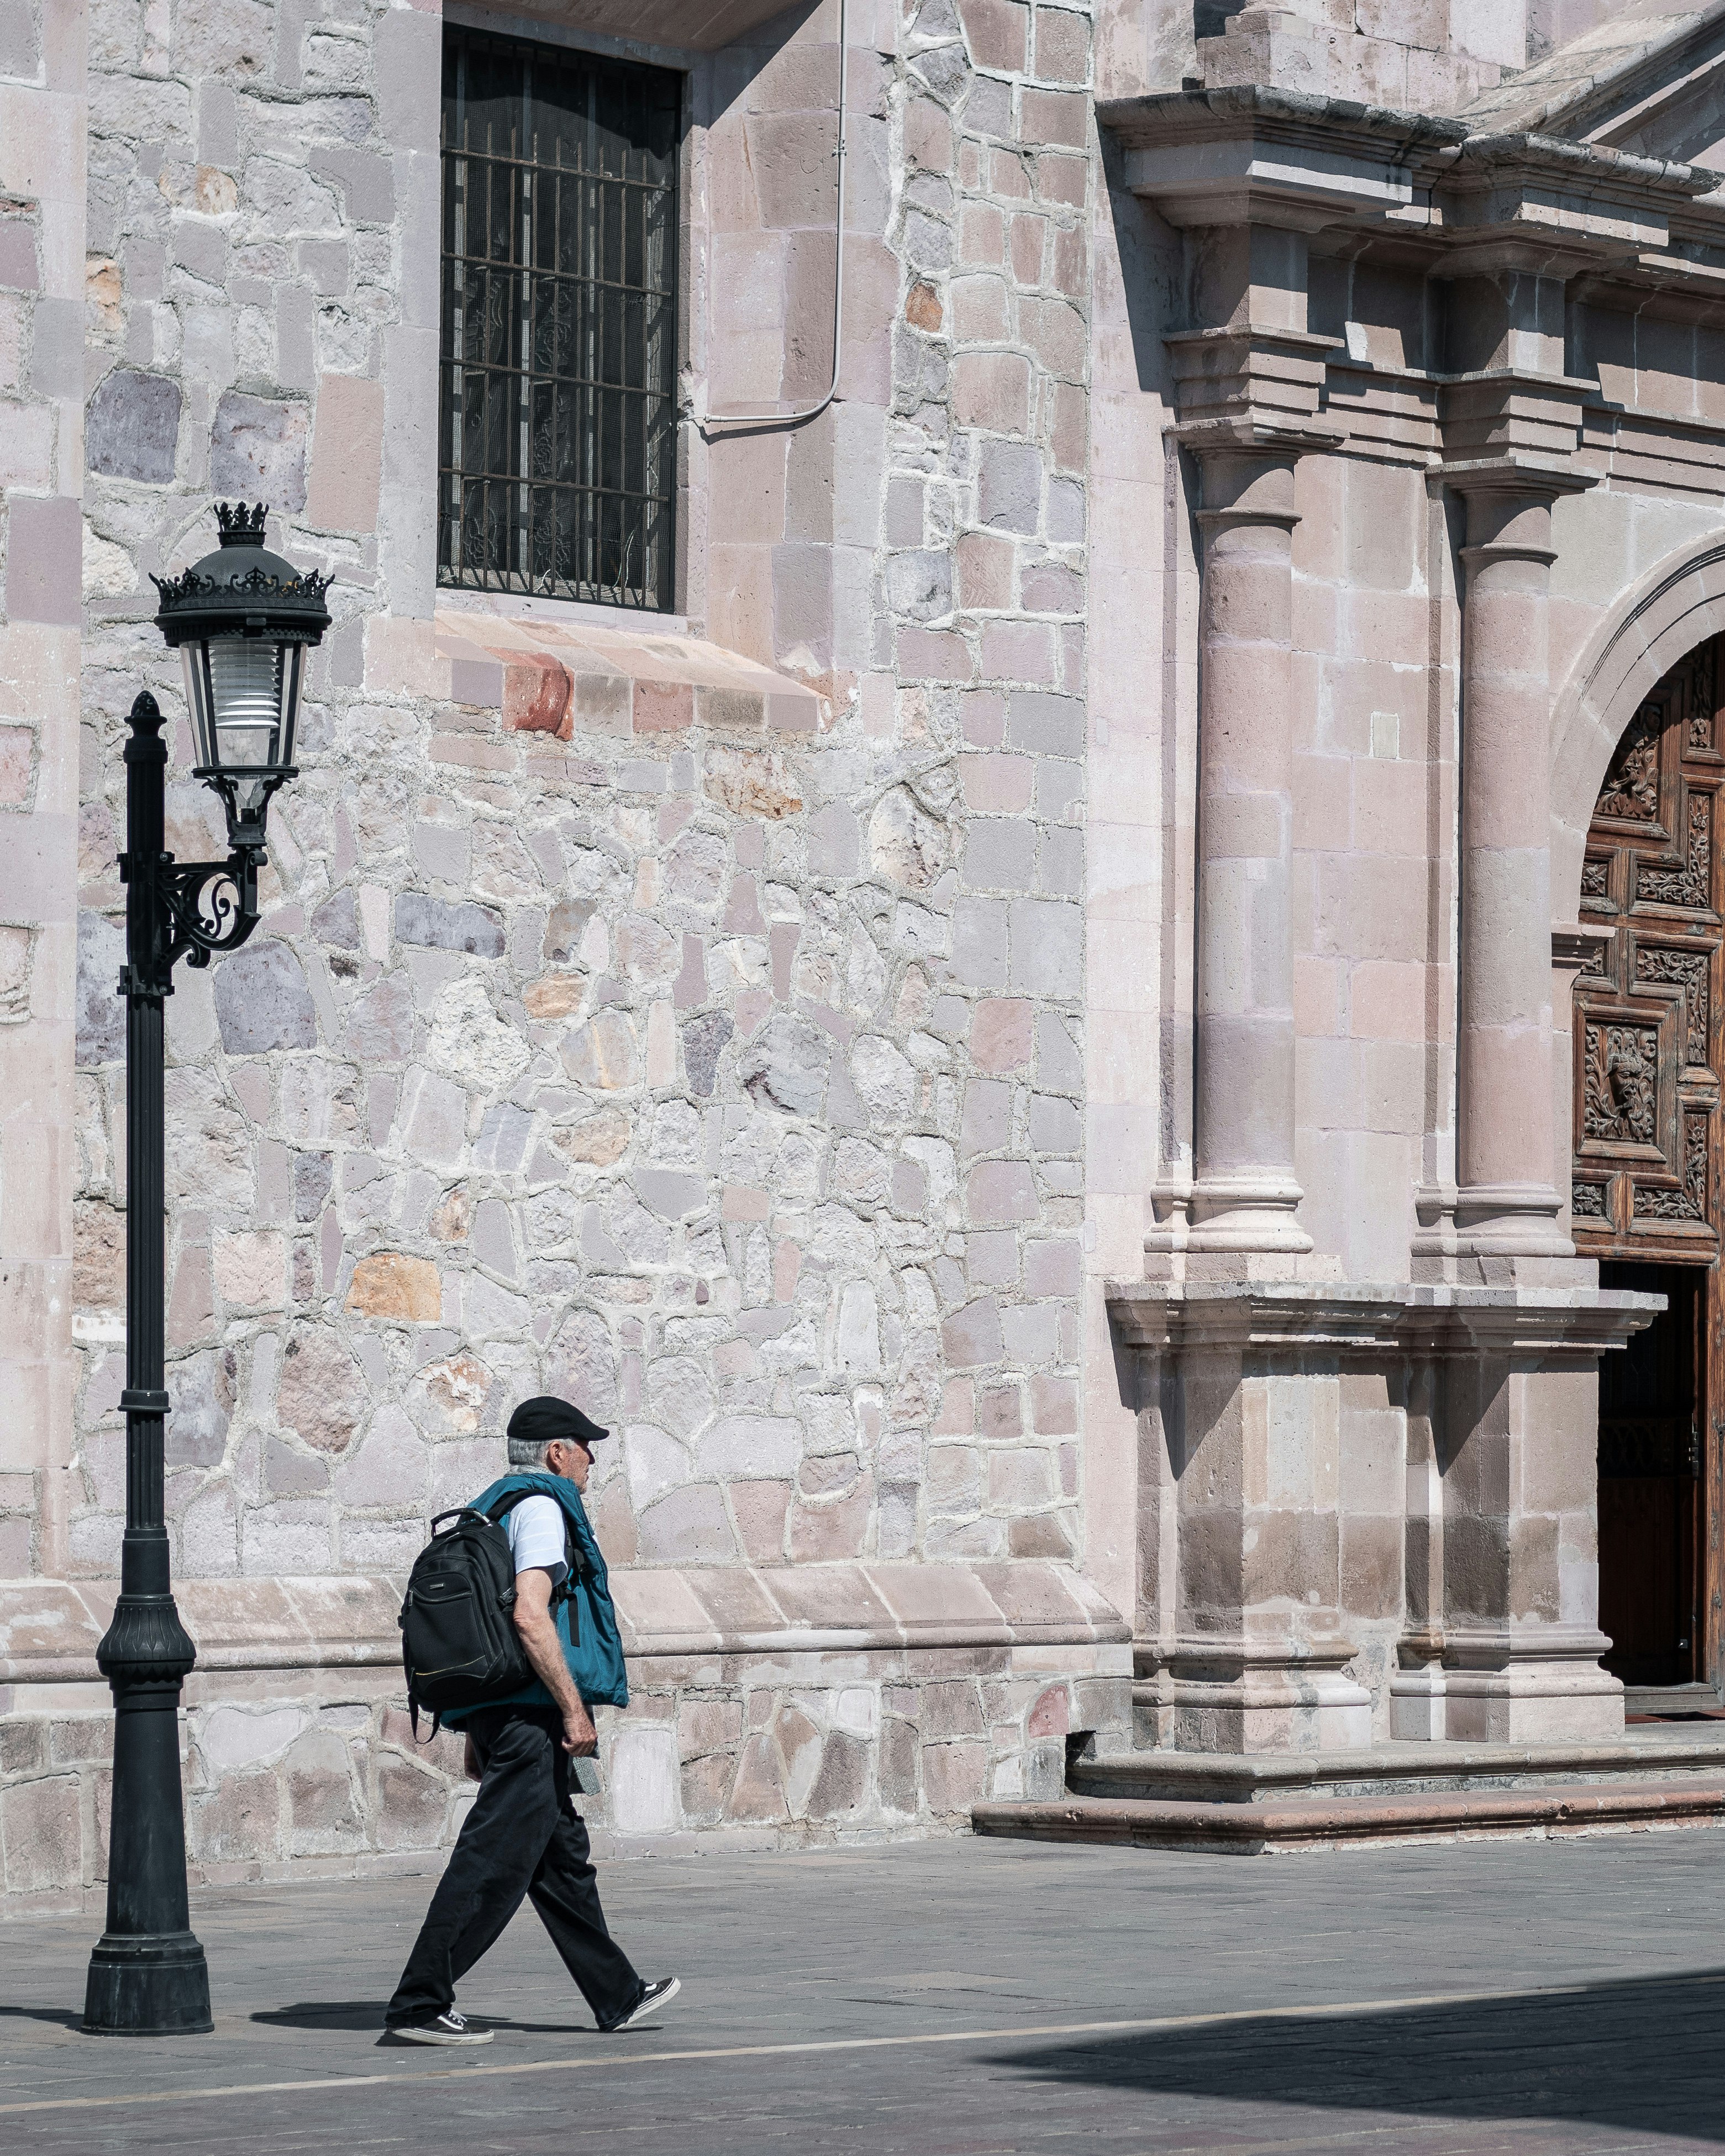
{"x":1001,"y":1032}
{"x":984,"y":713}
{"x":1063,"y":179}
{"x":1053,"y":1405}
{"x":1025,"y":239}
{"x":926,"y":654}
{"x":985,"y":562}
{"x":979,"y":309}
{"x":998,"y":33}
{"x":999,"y":1193}
{"x":663,"y":706}
{"x":981,"y":236}
{"x":958,"y":1412}
{"x":997,"y":784}
{"x":991,"y":389}
{"x":1054,"y":331}
{"x":1018,"y":651}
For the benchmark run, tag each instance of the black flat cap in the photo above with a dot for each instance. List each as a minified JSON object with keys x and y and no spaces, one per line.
{"x":540,"y":1422}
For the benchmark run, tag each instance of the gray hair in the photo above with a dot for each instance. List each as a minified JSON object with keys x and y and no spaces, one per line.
{"x":530,"y":1451}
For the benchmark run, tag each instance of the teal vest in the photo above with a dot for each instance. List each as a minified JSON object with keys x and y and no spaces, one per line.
{"x":595,"y":1657}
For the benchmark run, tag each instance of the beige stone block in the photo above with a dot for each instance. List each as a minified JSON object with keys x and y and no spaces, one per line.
{"x":554,"y":995}
{"x":251,"y":1270}
{"x":98,"y":1256}
{"x":347,"y":454}
{"x":41,"y":1835}
{"x":391,"y":1285}
{"x":1387,"y":1000}
{"x":1371,"y":1573}
{"x":598,"y":1141}
{"x":401,"y":657}
{"x":1318,"y":985}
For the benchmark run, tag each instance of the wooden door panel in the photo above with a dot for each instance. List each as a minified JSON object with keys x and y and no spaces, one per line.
{"x":1646,"y":1180}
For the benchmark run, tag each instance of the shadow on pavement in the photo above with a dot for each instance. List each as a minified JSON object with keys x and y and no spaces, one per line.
{"x":63,"y":2015}
{"x":1641,"y":2053}
{"x":365,"y":2015}
{"x":325,"y":2014}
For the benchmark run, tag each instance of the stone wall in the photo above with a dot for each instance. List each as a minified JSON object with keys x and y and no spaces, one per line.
{"x":42,"y":167}
{"x":731,"y":1082}
{"x":716,"y":1059}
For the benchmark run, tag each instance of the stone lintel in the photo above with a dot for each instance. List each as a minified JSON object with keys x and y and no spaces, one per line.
{"x":1362,"y":1321}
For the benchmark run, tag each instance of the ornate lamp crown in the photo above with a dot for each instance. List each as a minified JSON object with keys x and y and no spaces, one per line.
{"x":243,"y":589}
{"x":241,"y":527}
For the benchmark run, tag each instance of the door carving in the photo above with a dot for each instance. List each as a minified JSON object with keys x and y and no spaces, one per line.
{"x":1644,"y":1190}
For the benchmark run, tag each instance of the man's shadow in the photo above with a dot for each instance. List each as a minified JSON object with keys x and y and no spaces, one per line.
{"x":365,"y":2017}
{"x":1636,"y":2053}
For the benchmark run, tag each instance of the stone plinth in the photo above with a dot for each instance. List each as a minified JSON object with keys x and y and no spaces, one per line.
{"x":1255,"y":1643}
{"x":776,"y":1706}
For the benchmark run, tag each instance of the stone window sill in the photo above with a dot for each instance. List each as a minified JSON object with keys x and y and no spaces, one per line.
{"x":563,"y":677}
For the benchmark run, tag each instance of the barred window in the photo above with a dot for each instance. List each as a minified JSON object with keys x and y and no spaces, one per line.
{"x":558,"y":353}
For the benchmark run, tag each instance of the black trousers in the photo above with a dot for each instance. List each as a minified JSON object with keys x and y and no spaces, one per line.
{"x":523,"y":1836}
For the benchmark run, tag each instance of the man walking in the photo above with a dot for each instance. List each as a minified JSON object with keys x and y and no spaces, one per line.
{"x":523,"y":1836}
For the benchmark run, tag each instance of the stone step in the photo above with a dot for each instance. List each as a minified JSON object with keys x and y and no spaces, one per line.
{"x":1328,"y":1821}
{"x":1686,"y":1752}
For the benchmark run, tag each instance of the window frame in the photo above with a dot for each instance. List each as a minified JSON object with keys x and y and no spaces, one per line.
{"x":648,"y":518}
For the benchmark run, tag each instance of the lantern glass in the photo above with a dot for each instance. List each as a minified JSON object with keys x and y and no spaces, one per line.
{"x":244,"y":695}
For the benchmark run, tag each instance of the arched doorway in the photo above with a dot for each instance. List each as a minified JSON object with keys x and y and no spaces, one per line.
{"x":1646,"y":1187}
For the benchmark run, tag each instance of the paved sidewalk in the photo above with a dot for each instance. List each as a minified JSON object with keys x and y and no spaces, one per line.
{"x":952,"y":1999}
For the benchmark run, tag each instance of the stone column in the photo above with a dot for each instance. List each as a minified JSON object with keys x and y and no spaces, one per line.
{"x":1506,"y":1201}
{"x":1243,"y":1192}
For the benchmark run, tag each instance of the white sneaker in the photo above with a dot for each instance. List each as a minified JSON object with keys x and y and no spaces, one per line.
{"x":653,"y":1997}
{"x":447,"y":2027}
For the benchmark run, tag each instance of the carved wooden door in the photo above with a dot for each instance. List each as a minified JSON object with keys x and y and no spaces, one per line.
{"x":1645,"y":1182}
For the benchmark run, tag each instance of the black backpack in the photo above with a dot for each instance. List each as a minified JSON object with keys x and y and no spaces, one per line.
{"x":458,"y":1644}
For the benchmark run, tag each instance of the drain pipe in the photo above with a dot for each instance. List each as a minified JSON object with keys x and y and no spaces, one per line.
{"x":707,"y":420}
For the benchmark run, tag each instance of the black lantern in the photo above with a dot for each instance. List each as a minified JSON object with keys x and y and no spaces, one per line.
{"x":242,"y":619}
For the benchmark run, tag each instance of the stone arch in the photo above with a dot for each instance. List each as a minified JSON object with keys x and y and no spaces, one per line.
{"x":1679,"y":604}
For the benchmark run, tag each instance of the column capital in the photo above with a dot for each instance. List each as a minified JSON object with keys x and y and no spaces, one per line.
{"x":1250,"y":434}
{"x":1514,"y":475}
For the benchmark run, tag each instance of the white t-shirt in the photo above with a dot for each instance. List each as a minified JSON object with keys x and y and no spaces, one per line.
{"x":535,"y":1528}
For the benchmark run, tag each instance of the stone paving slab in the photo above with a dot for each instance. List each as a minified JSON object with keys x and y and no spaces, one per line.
{"x":953,"y":1998}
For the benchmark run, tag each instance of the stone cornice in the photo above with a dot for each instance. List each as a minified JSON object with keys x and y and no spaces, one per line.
{"x":1342,"y":1321}
{"x":1246,"y":154}
{"x":49,"y":1627}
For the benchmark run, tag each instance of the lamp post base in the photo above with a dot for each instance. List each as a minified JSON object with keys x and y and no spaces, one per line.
{"x":147,"y":1983}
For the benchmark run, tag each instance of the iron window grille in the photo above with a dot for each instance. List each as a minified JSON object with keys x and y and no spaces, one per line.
{"x":557,"y":430}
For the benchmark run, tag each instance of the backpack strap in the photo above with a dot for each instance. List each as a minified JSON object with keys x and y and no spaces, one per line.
{"x":562,"y":1590}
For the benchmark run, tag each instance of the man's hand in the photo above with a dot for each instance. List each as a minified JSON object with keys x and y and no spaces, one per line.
{"x":579,"y":1735}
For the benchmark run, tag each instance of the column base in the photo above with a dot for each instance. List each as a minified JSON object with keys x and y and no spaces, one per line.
{"x":1213,"y":1694}
{"x":1540,"y":1686}
{"x":1249,"y":1211}
{"x":147,"y":1983}
{"x":1494,"y":1235}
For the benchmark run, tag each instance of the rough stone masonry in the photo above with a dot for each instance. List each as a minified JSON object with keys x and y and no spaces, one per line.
{"x":714,"y":1056}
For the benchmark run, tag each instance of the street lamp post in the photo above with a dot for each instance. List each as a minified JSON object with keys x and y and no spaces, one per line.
{"x":242,"y":620}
